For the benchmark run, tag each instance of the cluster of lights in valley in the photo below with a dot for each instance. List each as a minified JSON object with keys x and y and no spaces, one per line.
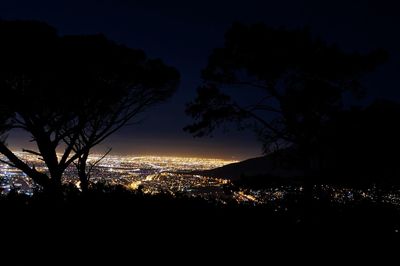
{"x":155,"y":174}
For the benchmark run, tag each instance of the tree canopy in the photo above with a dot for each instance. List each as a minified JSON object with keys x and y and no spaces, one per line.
{"x":71,"y":92}
{"x":301,"y":80}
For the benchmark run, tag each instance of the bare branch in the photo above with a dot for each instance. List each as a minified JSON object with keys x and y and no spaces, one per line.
{"x":266,"y":124}
{"x":269,"y":88}
{"x":38,"y":177}
{"x":8,"y":163}
{"x":32,"y":152}
{"x":99,"y":160}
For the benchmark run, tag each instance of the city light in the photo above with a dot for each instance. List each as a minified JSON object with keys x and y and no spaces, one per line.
{"x":154,"y":174}
{"x":178,"y":175}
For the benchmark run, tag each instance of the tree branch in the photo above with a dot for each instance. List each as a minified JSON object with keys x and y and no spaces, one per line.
{"x":96,"y":162}
{"x":8,"y":163}
{"x":263,"y":122}
{"x":38,"y":177}
{"x":32,"y":152}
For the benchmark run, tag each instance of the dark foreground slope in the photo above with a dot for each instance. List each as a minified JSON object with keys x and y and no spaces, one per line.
{"x":120,"y":213}
{"x":119,"y":227}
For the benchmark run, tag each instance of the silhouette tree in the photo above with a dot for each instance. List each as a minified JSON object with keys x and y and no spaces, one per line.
{"x":360,"y":145}
{"x":71,"y":92}
{"x":130,"y":83}
{"x":296,"y":83}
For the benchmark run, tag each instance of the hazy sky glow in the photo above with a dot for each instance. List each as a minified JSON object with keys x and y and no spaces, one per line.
{"x":183,"y":33}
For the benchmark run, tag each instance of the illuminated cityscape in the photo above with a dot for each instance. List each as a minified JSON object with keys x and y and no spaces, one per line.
{"x":151,"y":173}
{"x":173,"y":175}
{"x":145,"y":130}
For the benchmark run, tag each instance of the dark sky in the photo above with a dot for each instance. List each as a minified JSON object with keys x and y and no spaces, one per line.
{"x":183,"y":33}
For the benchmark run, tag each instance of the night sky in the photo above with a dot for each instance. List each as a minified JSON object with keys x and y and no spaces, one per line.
{"x":183,"y":33}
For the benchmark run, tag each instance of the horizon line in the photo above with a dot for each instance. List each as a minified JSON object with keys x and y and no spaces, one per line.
{"x":97,"y":154}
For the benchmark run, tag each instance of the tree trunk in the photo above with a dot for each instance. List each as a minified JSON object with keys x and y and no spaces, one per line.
{"x":48,"y":152}
{"x":54,"y":191}
{"x":83,"y":176}
{"x":308,"y":192}
{"x":38,"y":177}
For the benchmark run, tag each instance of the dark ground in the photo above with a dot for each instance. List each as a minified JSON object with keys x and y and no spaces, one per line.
{"x":116,"y":227}
{"x":120,"y":213}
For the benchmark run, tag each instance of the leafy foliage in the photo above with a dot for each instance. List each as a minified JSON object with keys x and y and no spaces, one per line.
{"x":301,"y":77}
{"x":72,"y":92}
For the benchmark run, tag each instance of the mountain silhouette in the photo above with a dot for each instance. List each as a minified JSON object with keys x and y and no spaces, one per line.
{"x":275,"y":165}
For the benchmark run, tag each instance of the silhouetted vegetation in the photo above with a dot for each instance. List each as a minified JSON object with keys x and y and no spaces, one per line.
{"x":70,"y":93}
{"x":299,"y":82}
{"x":359,"y":146}
{"x":301,"y":77}
{"x":114,"y":209}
